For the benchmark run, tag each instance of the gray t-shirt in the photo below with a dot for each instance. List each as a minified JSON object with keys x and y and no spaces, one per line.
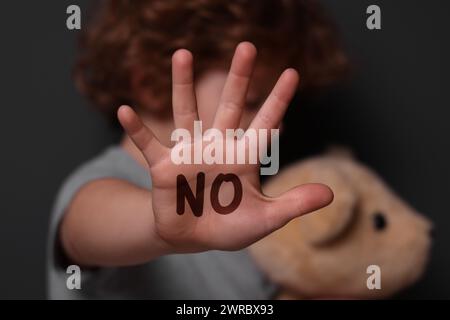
{"x":207,"y":275}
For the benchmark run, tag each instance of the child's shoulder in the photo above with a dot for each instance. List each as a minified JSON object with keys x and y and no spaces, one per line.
{"x":113,"y":162}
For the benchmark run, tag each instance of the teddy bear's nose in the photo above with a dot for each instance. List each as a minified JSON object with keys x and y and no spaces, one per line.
{"x":432,"y":232}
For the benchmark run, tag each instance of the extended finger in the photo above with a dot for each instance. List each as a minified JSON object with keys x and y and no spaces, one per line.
{"x":275,"y":106}
{"x":141,"y":135}
{"x":297,"y":202}
{"x":234,"y":93}
{"x":183,"y":94}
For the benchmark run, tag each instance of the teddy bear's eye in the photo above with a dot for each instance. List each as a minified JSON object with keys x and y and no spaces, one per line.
{"x":379,"y":221}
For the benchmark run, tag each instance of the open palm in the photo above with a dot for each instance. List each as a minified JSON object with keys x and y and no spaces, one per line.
{"x":257,"y":215}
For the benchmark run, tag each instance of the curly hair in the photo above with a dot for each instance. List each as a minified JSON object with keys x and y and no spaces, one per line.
{"x":130,"y":35}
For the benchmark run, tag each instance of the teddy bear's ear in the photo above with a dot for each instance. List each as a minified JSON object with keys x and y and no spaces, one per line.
{"x":338,"y":151}
{"x":327,"y":224}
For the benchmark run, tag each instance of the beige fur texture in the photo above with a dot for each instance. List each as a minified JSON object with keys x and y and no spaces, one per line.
{"x":326,"y":254}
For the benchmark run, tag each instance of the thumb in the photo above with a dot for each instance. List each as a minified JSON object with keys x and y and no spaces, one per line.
{"x":297,"y":202}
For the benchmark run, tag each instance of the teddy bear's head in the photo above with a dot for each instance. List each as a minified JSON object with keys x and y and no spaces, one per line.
{"x":328,"y":253}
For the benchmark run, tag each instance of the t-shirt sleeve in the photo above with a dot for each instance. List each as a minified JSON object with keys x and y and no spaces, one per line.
{"x":111,"y":164}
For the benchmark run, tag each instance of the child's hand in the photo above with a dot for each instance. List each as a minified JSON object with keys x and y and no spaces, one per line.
{"x":257,"y":215}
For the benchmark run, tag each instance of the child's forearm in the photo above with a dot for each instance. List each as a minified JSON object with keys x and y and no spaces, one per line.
{"x":111,"y":223}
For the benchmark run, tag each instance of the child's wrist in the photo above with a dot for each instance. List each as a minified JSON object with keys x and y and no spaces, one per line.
{"x":159,"y":247}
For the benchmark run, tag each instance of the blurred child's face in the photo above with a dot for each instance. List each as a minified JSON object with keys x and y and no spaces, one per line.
{"x":209,"y":88}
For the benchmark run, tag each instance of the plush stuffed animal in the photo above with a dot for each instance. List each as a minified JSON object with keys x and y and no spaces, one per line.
{"x":328,"y":253}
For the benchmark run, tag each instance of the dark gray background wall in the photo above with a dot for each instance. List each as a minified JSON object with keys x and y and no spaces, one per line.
{"x":394,"y":114}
